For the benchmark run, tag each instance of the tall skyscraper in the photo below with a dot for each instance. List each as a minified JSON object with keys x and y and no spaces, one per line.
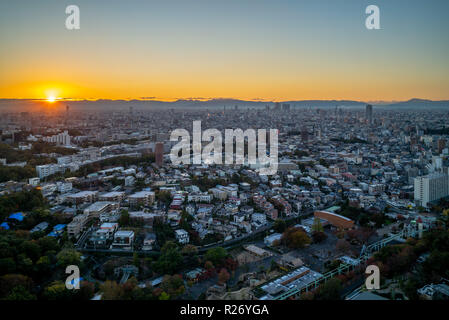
{"x":159,"y":153}
{"x":369,"y":114}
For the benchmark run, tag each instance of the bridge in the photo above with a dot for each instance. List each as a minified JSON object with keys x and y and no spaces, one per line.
{"x":127,"y":271}
{"x":409,"y":231}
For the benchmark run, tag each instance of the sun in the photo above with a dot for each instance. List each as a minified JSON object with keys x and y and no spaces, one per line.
{"x":51,"y":99}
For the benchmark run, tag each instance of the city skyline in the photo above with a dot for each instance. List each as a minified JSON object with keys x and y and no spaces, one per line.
{"x":277,"y":51}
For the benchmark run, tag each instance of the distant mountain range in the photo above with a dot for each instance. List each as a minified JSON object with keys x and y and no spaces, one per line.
{"x":16,"y":104}
{"x":418,"y":103}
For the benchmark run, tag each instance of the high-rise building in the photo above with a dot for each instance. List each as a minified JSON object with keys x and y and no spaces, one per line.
{"x":369,"y":114}
{"x":441,"y":145}
{"x":430,"y":188}
{"x":304,"y":134}
{"x":159,"y":153}
{"x":286,"y":107}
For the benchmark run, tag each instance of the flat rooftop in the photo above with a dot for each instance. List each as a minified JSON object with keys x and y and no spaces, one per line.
{"x":299,"y":278}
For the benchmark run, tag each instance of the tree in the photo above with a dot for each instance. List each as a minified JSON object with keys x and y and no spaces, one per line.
{"x":20,"y":293}
{"x":173,"y":285}
{"x":123,"y":221}
{"x":318,"y":236}
{"x":216,"y":255}
{"x":208,"y":265}
{"x":10,"y":281}
{"x":295,"y":238}
{"x":164,"y":296}
{"x":43,"y":264}
{"x":331,"y":290}
{"x":190,"y":250}
{"x":68,"y":257}
{"x":164,"y":197}
{"x":86,"y":291}
{"x":111,"y":290}
{"x":317,"y":226}
{"x":136,"y":260}
{"x":57,"y":291}
{"x":48,"y":243}
{"x":223,"y":276}
{"x":31,"y":249}
{"x":280,"y":225}
{"x":309,"y":296}
{"x":170,"y":259}
{"x":7,"y":265}
{"x":342,"y":245}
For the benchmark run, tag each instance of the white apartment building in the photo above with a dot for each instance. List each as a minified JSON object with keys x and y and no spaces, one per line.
{"x":83,"y":197}
{"x":48,"y":169}
{"x":64,"y":187}
{"x":182,"y":236}
{"x":430,"y":188}
{"x":77,"y":225}
{"x":62,"y":138}
{"x":142,"y":198}
{"x":99,"y":207}
{"x":115,"y":196}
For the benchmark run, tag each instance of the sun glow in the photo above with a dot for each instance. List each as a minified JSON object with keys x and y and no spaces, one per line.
{"x":51,"y":99}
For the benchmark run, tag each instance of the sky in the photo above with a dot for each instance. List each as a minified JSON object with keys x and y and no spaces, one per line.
{"x":272,"y":50}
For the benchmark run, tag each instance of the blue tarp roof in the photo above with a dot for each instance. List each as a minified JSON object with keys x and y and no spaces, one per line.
{"x":4,"y":225}
{"x":52,"y":234}
{"x":17,"y":216}
{"x":59,"y":227}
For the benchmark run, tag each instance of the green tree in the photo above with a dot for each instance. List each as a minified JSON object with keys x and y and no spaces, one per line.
{"x":295,"y":238}
{"x":216,"y":255}
{"x":20,"y":293}
{"x":7,"y":265}
{"x":124,"y":221}
{"x":280,"y":225}
{"x":57,"y":291}
{"x":331,"y":290}
{"x":173,"y":285}
{"x":164,"y":296}
{"x":317,"y":226}
{"x":10,"y":281}
{"x":68,"y":257}
{"x":170,"y":259}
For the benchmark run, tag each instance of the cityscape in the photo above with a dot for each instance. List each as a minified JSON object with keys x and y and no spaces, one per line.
{"x":355,"y":186}
{"x":94,"y":207}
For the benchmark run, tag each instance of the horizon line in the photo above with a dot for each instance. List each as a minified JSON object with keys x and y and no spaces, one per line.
{"x":199,"y":99}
